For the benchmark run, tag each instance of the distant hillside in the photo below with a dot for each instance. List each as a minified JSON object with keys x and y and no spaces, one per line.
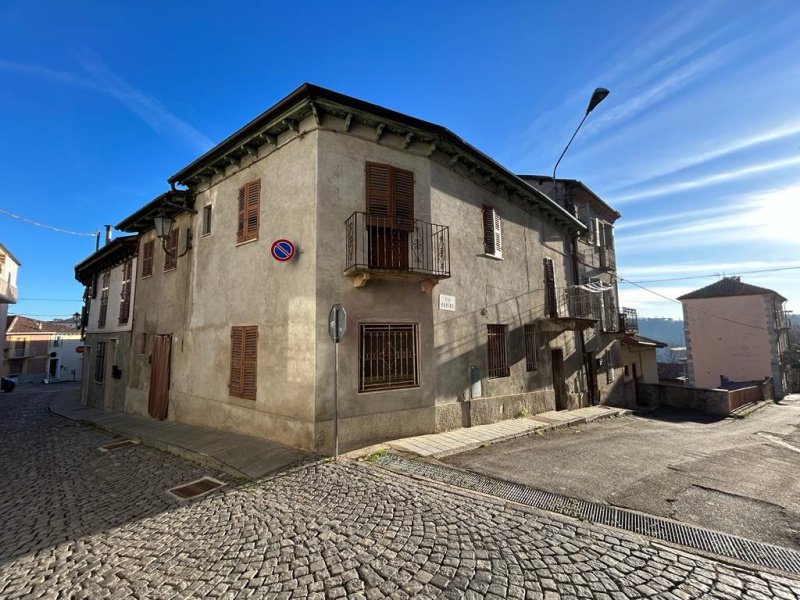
{"x":669,"y":331}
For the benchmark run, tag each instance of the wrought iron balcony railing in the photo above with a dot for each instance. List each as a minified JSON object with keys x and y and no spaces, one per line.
{"x":629,"y":320}
{"x":393,"y":247}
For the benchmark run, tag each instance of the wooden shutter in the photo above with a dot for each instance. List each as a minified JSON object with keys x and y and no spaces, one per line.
{"x":403,"y":198}
{"x":244,"y":362}
{"x":550,"y":288}
{"x":492,"y":232}
{"x":379,"y":193}
{"x":125,"y":294}
{"x":249,"y":205}
{"x":171,"y":250}
{"x":101,"y":319}
{"x":147,"y":258}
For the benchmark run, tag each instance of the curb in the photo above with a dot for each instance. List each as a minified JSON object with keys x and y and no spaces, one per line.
{"x":185,"y":453}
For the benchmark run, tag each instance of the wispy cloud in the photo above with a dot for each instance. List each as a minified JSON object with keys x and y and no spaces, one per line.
{"x":707,"y":180}
{"x":100,"y":79}
{"x":681,"y":216}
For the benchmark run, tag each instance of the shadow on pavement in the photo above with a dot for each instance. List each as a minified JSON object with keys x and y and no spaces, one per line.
{"x":670,"y":414}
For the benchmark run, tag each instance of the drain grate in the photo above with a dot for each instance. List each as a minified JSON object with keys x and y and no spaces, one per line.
{"x":722,"y":544}
{"x":195,"y":489}
{"x":117,"y":445}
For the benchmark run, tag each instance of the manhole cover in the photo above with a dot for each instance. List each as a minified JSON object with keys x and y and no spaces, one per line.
{"x":117,"y":445}
{"x":195,"y":489}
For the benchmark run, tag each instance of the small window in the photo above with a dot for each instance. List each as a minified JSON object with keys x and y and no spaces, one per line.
{"x":147,"y":258}
{"x":57,"y":341}
{"x":498,"y":351}
{"x":101,"y":319}
{"x":207,"y":219}
{"x":100,"y":362}
{"x":627,"y":371}
{"x":143,"y":344}
{"x":125,"y":293}
{"x":531,"y":358}
{"x":609,"y":369}
{"x":171,"y":250}
{"x":244,"y":362}
{"x":388,"y":357}
{"x":492,"y":233}
{"x":249,"y":212}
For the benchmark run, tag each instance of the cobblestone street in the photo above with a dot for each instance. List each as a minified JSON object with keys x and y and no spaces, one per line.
{"x":83,"y":524}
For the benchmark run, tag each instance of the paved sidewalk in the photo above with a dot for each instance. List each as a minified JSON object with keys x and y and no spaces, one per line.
{"x":438,"y":445}
{"x":236,"y":454}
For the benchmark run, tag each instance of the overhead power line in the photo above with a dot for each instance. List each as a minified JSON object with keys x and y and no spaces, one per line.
{"x":712,"y":275}
{"x":51,"y":300}
{"x":50,"y":227}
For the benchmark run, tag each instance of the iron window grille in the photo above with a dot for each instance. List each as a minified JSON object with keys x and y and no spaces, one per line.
{"x":531,"y":358}
{"x":498,"y":351}
{"x":389,"y":357}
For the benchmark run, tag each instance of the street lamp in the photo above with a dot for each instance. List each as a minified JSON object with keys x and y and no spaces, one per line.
{"x":597,"y":97}
{"x":163,"y":226}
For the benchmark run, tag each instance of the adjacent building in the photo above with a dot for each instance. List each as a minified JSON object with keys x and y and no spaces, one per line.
{"x":464,"y":300}
{"x":736,"y":334}
{"x":8,"y":294}
{"x":41,"y":351}
{"x":109,"y":277}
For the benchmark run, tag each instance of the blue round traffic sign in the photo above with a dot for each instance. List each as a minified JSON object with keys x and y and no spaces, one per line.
{"x":283,"y":250}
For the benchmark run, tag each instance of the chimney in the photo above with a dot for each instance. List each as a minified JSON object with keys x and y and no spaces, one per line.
{"x":108,"y":235}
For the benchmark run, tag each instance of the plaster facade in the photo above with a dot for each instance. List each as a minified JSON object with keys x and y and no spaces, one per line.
{"x":312,"y":176}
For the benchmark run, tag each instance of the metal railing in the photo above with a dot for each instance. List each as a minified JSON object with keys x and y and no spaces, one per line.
{"x":398,"y":245}
{"x":16,"y":353}
{"x":572,"y":303}
{"x":8,"y":292}
{"x":629,"y":319}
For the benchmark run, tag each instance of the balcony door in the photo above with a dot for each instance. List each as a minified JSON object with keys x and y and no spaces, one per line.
{"x":158,"y":400}
{"x":390,"y":215}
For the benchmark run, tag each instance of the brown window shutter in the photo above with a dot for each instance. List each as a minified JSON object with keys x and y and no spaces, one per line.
{"x":488,"y":230}
{"x":237,"y":350}
{"x":125,"y":294}
{"x":147,"y":258}
{"x":403,"y":198}
{"x":242,"y":215}
{"x":550,"y":288}
{"x":171,"y":250}
{"x":379,"y":192}
{"x":101,"y":319}
{"x":250,"y":363}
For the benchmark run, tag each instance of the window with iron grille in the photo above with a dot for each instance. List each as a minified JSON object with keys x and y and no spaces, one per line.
{"x":171,"y":250}
{"x":609,"y":369}
{"x":388,"y":356}
{"x":100,"y":362}
{"x":125,"y":293}
{"x":249,"y":209}
{"x":57,"y":341}
{"x":492,"y":232}
{"x":498,"y":351}
{"x":244,"y":362}
{"x":147,"y":258}
{"x":101,"y":319}
{"x":531,"y":357}
{"x":207,"y":219}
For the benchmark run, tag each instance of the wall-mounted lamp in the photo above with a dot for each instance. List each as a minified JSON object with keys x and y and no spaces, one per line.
{"x":76,"y":318}
{"x":163,"y":226}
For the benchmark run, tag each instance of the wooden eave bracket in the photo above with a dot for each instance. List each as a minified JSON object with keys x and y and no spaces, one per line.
{"x":454,"y":159}
{"x":432,"y":148}
{"x":348,"y":120}
{"x":407,"y":139}
{"x":379,"y":131}
{"x":316,"y":114}
{"x":292,"y":125}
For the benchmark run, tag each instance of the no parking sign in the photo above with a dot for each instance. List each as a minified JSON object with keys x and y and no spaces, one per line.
{"x":283,"y":250}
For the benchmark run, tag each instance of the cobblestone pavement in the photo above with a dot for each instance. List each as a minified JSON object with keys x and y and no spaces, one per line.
{"x":77,"y":523}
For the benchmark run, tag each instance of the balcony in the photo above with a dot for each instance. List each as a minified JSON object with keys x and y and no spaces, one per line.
{"x":390,"y":248}
{"x":8,"y":293}
{"x":570,"y":309}
{"x":11,"y":353}
{"x":600,"y":258}
{"x":629,"y":320}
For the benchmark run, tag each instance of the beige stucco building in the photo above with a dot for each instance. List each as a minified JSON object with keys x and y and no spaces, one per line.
{"x":457,"y":277}
{"x":8,"y":295}
{"x":736,"y":333}
{"x":41,"y":351}
{"x":109,"y":277}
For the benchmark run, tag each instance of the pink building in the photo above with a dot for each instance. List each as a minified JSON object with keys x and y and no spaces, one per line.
{"x":736,"y":333}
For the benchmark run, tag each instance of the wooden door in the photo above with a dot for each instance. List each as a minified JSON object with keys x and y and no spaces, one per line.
{"x":557,"y":360}
{"x":158,"y":401}
{"x":594,"y":389}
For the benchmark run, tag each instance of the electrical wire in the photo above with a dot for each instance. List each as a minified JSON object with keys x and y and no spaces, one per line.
{"x":49,"y":300}
{"x":713,"y":275}
{"x":58,"y":229}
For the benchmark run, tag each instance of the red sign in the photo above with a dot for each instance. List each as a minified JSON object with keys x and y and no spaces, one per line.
{"x":283,"y":250}
{"x":79,"y":349}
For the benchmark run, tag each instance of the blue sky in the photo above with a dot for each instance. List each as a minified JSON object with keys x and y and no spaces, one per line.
{"x":698,"y":144}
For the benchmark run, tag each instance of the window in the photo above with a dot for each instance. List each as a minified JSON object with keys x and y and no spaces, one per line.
{"x":143,"y":345}
{"x":207,"y":219}
{"x":492,"y":233}
{"x":249,"y":208}
{"x":390,"y":196}
{"x":244,"y":360}
{"x":531,"y":358}
{"x":147,"y":258}
{"x":171,"y":250}
{"x":498,"y":354}
{"x":125,"y":293}
{"x":95,"y":285}
{"x":100,"y":362}
{"x":388,"y":356}
{"x":627,"y":371}
{"x":101,"y":319}
{"x":57,"y":341}
{"x":550,"y":288}
{"x":609,"y":369}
